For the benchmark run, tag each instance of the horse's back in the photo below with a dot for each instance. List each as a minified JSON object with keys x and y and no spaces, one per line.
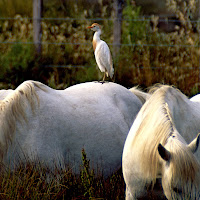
{"x":105,"y":96}
{"x":195,"y":98}
{"x":143,"y":96}
{"x":4,"y":93}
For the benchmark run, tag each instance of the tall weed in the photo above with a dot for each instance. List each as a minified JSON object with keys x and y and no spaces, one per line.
{"x":34,"y":181}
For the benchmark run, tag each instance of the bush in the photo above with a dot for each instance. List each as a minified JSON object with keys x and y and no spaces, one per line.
{"x":12,"y":7}
{"x":16,"y":63}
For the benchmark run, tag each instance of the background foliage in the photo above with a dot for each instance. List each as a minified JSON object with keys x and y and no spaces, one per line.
{"x":147,"y":55}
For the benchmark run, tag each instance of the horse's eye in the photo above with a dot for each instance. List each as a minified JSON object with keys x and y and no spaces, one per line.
{"x":177,"y":190}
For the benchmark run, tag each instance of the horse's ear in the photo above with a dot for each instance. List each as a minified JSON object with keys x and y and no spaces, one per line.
{"x":193,"y":146}
{"x":164,"y":153}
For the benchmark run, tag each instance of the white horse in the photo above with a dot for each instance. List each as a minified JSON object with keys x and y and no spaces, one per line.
{"x":195,"y":98}
{"x":157,"y":148}
{"x":40,"y":124}
{"x":4,"y":93}
{"x":143,"y":96}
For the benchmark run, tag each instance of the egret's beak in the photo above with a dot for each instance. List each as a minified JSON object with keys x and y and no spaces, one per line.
{"x":89,"y":27}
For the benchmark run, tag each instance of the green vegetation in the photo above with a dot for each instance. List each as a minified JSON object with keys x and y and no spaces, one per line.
{"x":9,"y":8}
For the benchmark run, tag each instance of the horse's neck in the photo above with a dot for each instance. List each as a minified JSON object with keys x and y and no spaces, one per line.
{"x":186,"y":117}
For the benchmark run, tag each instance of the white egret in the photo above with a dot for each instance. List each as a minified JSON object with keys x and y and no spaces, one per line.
{"x":102,"y":52}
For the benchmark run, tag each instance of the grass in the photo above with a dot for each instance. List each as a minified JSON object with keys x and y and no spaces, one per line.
{"x":30,"y":181}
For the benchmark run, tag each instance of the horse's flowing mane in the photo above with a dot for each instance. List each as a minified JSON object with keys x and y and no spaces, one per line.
{"x":13,"y":108}
{"x":140,"y":94}
{"x":156,"y":126}
{"x":185,"y":166}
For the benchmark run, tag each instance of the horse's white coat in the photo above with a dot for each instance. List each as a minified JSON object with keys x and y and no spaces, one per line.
{"x":4,"y":93}
{"x":93,"y":116}
{"x":143,"y":96}
{"x":183,"y":115}
{"x":195,"y":98}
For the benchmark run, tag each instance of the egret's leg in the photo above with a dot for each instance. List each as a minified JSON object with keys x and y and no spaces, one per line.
{"x":104,"y":77}
{"x":103,"y":81}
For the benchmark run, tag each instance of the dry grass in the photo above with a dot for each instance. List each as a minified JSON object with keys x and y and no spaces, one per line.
{"x":31,"y":181}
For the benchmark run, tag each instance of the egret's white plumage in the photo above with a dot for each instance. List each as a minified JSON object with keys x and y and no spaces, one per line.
{"x":102,"y":52}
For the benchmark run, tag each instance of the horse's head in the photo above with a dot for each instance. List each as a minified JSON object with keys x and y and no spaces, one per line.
{"x":180,"y":168}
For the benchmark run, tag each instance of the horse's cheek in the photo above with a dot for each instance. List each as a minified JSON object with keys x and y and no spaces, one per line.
{"x":166,"y":182}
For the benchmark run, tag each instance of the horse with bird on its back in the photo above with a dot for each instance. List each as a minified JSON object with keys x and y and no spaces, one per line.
{"x":40,"y":124}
